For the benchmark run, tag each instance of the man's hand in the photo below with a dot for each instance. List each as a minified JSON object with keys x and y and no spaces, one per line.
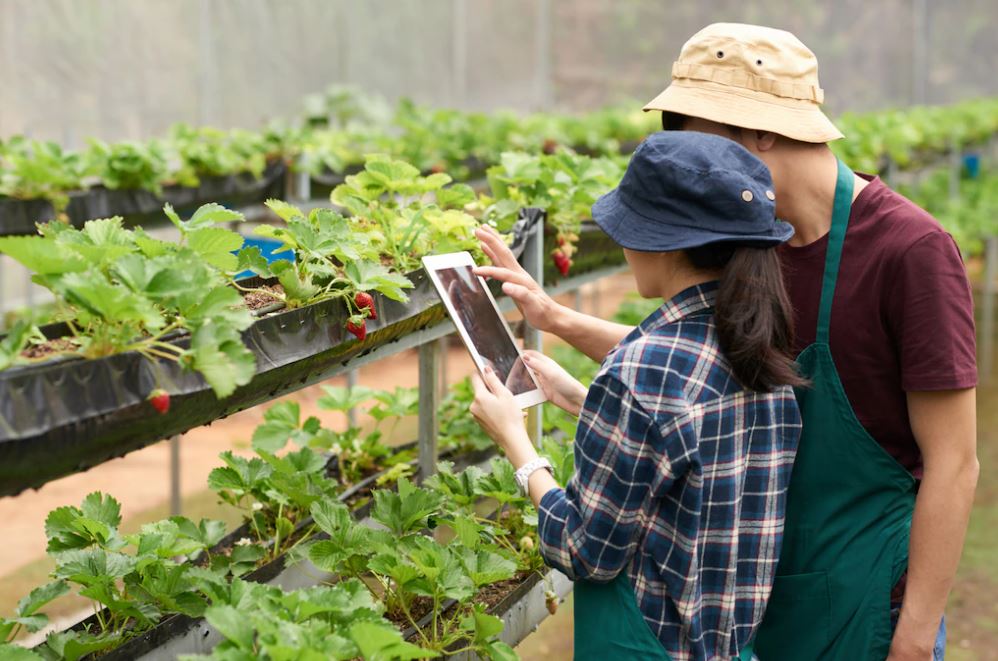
{"x":945,"y":427}
{"x":897,"y":653}
{"x":539,"y":309}
{"x":561,"y":388}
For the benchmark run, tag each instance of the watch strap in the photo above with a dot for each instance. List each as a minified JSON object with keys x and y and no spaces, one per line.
{"x":526,"y":470}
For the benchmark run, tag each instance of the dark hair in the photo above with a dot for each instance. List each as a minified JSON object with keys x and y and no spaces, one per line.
{"x":753,"y":314}
{"x":674,"y":121}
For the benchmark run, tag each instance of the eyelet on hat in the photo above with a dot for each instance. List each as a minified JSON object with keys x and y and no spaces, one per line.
{"x":747,"y":195}
{"x":771,"y":195}
{"x":720,"y":54}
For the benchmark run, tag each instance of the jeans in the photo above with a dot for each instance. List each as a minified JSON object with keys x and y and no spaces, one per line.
{"x":939,"y":651}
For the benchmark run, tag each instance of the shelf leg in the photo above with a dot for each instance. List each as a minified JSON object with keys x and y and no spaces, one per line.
{"x":175,"y":500}
{"x":442,"y":358}
{"x":351,"y":412}
{"x":533,"y":262}
{"x":987,"y":332}
{"x":429,"y":403}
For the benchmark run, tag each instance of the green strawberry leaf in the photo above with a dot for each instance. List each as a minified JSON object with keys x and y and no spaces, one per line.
{"x":41,"y":255}
{"x":10,"y":652}
{"x":218,"y":353}
{"x":39,"y":597}
{"x":342,"y":399}
{"x":365,"y":276}
{"x":215,"y":245}
{"x":380,"y":642}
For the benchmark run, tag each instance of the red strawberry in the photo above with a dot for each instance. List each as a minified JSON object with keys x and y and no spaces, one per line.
{"x":562,"y":262}
{"x":359,"y":329}
{"x":549,"y":146}
{"x":364,"y":300}
{"x":160,"y":400}
{"x":437,"y":168}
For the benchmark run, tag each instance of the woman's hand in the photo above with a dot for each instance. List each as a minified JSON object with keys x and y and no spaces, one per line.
{"x":561,"y":388}
{"x":502,"y":419}
{"x":539,"y":309}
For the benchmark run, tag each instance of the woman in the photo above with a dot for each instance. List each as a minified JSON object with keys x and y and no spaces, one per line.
{"x":671,"y":525}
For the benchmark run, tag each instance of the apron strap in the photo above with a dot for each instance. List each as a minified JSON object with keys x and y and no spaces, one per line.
{"x":841,"y":207}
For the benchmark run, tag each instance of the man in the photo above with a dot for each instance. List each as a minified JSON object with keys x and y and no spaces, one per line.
{"x":886,"y":471}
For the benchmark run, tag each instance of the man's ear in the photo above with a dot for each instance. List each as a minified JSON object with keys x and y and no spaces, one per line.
{"x":765,"y":140}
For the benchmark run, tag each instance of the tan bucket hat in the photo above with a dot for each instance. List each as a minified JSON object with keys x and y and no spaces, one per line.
{"x":749,"y":76}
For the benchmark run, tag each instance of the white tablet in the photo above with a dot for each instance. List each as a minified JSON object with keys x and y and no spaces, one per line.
{"x":482,"y":327}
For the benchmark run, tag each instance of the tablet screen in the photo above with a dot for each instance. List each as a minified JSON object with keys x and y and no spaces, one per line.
{"x":481,"y":320}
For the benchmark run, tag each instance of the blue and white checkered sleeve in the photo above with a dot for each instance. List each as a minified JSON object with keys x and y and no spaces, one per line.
{"x":589,"y":529}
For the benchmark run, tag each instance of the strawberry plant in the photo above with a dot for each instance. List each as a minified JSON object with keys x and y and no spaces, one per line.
{"x":410,"y":570}
{"x":208,"y":151}
{"x":405,"y":214}
{"x":341,"y":621}
{"x":16,"y":341}
{"x":458,"y":429}
{"x":331,"y":259}
{"x":132,"y":580}
{"x":122,"y":290}
{"x":32,"y":169}
{"x":565,"y":185}
{"x":274,"y":493}
{"x":130,"y":165}
{"x":27,"y":615}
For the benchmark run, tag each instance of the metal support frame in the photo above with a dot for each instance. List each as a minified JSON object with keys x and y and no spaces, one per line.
{"x":429,"y":375}
{"x":988,"y":311}
{"x":533,"y":262}
{"x":459,"y":51}
{"x":352,"y":411}
{"x":3,"y":293}
{"x":542,"y":73}
{"x":175,"y":495}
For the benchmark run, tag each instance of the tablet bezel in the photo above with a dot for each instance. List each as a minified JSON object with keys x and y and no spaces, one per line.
{"x":433,"y":263}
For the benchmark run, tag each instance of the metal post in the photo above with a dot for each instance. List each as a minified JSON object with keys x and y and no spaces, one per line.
{"x":988,"y":311}
{"x":175,"y":501}
{"x":920,"y":52}
{"x":29,"y":289}
{"x":351,"y":412}
{"x":442,"y":360}
{"x":3,"y":294}
{"x":955,"y":168}
{"x":206,"y":79}
{"x":459,"y":51}
{"x":542,"y":73}
{"x":302,"y":186}
{"x":429,"y":402}
{"x":889,"y":171}
{"x":533,"y":262}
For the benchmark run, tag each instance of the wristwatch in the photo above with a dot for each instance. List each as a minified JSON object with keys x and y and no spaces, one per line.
{"x":526,"y":470}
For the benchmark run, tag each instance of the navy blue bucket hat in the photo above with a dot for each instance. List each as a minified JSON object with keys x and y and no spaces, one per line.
{"x":684,"y":189}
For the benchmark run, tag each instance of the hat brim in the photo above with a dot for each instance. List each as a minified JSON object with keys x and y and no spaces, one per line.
{"x":634,"y":231}
{"x":796,"y":119}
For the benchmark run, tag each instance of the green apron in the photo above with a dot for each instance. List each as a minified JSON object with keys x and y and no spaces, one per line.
{"x":609,"y":625}
{"x":849,"y":511}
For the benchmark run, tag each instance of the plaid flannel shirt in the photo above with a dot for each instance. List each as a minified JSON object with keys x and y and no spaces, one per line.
{"x":680,"y":480}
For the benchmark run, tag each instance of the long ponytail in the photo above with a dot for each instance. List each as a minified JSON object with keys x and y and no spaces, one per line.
{"x":753,"y":314}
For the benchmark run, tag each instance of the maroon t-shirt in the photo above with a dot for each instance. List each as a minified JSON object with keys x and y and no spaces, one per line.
{"x":903,"y":314}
